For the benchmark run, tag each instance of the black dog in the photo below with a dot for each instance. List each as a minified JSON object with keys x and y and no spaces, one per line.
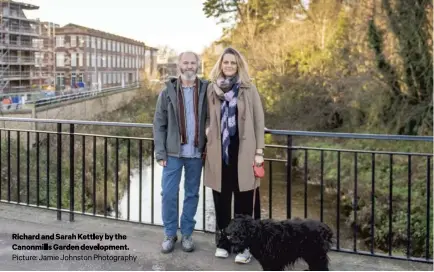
{"x":278,"y":244}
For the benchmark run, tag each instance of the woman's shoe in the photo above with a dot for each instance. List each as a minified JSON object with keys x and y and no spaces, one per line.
{"x":221,"y":253}
{"x":244,"y":257}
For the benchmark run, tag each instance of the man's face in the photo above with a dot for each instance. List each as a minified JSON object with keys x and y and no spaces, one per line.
{"x":188,"y":66}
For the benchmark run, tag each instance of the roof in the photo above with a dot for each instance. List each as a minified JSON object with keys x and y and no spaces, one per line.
{"x":78,"y":29}
{"x":20,"y":4}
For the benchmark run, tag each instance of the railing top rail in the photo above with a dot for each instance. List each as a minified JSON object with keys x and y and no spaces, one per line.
{"x":365,"y":136}
{"x":269,"y":131}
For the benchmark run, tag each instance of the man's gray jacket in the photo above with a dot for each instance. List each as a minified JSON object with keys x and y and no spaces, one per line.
{"x":167,"y":138}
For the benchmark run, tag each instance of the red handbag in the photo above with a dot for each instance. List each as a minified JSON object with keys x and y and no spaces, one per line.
{"x":259,"y":171}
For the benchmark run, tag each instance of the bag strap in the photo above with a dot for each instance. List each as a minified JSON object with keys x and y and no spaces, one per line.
{"x":254,"y":197}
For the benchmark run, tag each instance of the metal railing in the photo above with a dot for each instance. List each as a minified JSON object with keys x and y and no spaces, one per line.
{"x":7,"y":74}
{"x":80,"y":93}
{"x":16,"y":59}
{"x":16,"y":15}
{"x":19,"y":29}
{"x":17,"y":44}
{"x":92,"y":169}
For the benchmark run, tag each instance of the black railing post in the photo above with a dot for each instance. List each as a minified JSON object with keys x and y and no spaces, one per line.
{"x":18,"y":168}
{"x":117,"y":178}
{"x":105,"y":176}
{"x":59,"y":171}
{"x":83,"y":174}
{"x":270,"y":189}
{"x":140,"y":178}
{"x":9,"y":166}
{"x":152,"y":181}
{"x":28,"y":167}
{"x":71,"y":172}
{"x":288,"y":176}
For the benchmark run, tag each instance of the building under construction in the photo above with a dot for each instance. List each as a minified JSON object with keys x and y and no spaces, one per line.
{"x":18,"y":72}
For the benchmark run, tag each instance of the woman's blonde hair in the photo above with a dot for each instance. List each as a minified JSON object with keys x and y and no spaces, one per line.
{"x":242,"y":68}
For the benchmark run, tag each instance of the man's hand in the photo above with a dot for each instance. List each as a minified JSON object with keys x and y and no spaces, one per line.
{"x":206,"y":131}
{"x":162,"y":163}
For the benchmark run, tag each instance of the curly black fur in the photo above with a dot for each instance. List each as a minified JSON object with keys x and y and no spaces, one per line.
{"x":279,"y":244}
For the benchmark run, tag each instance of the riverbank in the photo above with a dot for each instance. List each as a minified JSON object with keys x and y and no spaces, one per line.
{"x":365,"y":207}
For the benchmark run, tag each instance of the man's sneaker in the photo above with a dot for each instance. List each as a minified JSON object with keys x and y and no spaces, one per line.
{"x":168,"y":244}
{"x":221,"y":253}
{"x":187,"y":244}
{"x":244,"y":257}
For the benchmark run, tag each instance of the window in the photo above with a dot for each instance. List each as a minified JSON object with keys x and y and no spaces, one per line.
{"x":98,"y":43}
{"x":73,"y":41}
{"x":60,"y":59}
{"x":60,"y":41}
{"x":93,"y":60}
{"x":103,"y":44}
{"x":93,"y":77}
{"x":88,"y":59}
{"x":88,"y":41}
{"x":80,"y":59}
{"x":93,"y":42}
{"x":73,"y":60}
{"x":81,"y":39}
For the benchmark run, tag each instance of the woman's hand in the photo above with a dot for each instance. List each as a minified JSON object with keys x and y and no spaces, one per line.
{"x":259,"y":157}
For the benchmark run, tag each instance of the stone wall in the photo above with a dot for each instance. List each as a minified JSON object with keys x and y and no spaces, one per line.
{"x":80,"y":109}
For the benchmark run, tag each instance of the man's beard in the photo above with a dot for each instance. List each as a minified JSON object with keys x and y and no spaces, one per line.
{"x":188,"y":74}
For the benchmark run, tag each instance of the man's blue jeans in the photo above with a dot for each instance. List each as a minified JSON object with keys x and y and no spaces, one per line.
{"x":170,"y":188}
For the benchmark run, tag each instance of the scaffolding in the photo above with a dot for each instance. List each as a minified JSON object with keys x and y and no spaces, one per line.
{"x":17,"y":49}
{"x":46,"y":57}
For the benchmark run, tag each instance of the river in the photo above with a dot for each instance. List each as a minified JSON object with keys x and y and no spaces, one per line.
{"x":278,"y":201}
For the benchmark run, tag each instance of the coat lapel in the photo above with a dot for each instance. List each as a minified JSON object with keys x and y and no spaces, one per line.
{"x":241,"y":105}
{"x":173,"y":100}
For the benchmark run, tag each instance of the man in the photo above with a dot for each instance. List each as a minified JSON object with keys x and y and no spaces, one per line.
{"x":179,"y":137}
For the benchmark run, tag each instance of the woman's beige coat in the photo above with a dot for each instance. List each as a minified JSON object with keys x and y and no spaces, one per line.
{"x":251,"y":133}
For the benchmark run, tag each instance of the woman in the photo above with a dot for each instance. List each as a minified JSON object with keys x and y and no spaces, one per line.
{"x":235,"y":142}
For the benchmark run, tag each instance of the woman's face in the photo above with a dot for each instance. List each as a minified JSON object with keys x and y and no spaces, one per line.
{"x":229,"y":65}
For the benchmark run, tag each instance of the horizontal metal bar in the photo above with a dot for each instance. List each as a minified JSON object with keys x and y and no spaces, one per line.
{"x":381,"y":255}
{"x":274,"y":160}
{"x":350,"y":135}
{"x":360,"y":151}
{"x":77,"y":133}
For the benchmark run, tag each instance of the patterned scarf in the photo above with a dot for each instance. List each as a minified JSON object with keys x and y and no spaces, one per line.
{"x":229,"y":87}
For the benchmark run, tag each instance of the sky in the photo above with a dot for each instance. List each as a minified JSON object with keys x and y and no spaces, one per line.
{"x":179,"y":24}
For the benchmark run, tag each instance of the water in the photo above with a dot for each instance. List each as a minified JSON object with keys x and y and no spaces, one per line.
{"x":147,"y":199}
{"x":278,"y":201}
